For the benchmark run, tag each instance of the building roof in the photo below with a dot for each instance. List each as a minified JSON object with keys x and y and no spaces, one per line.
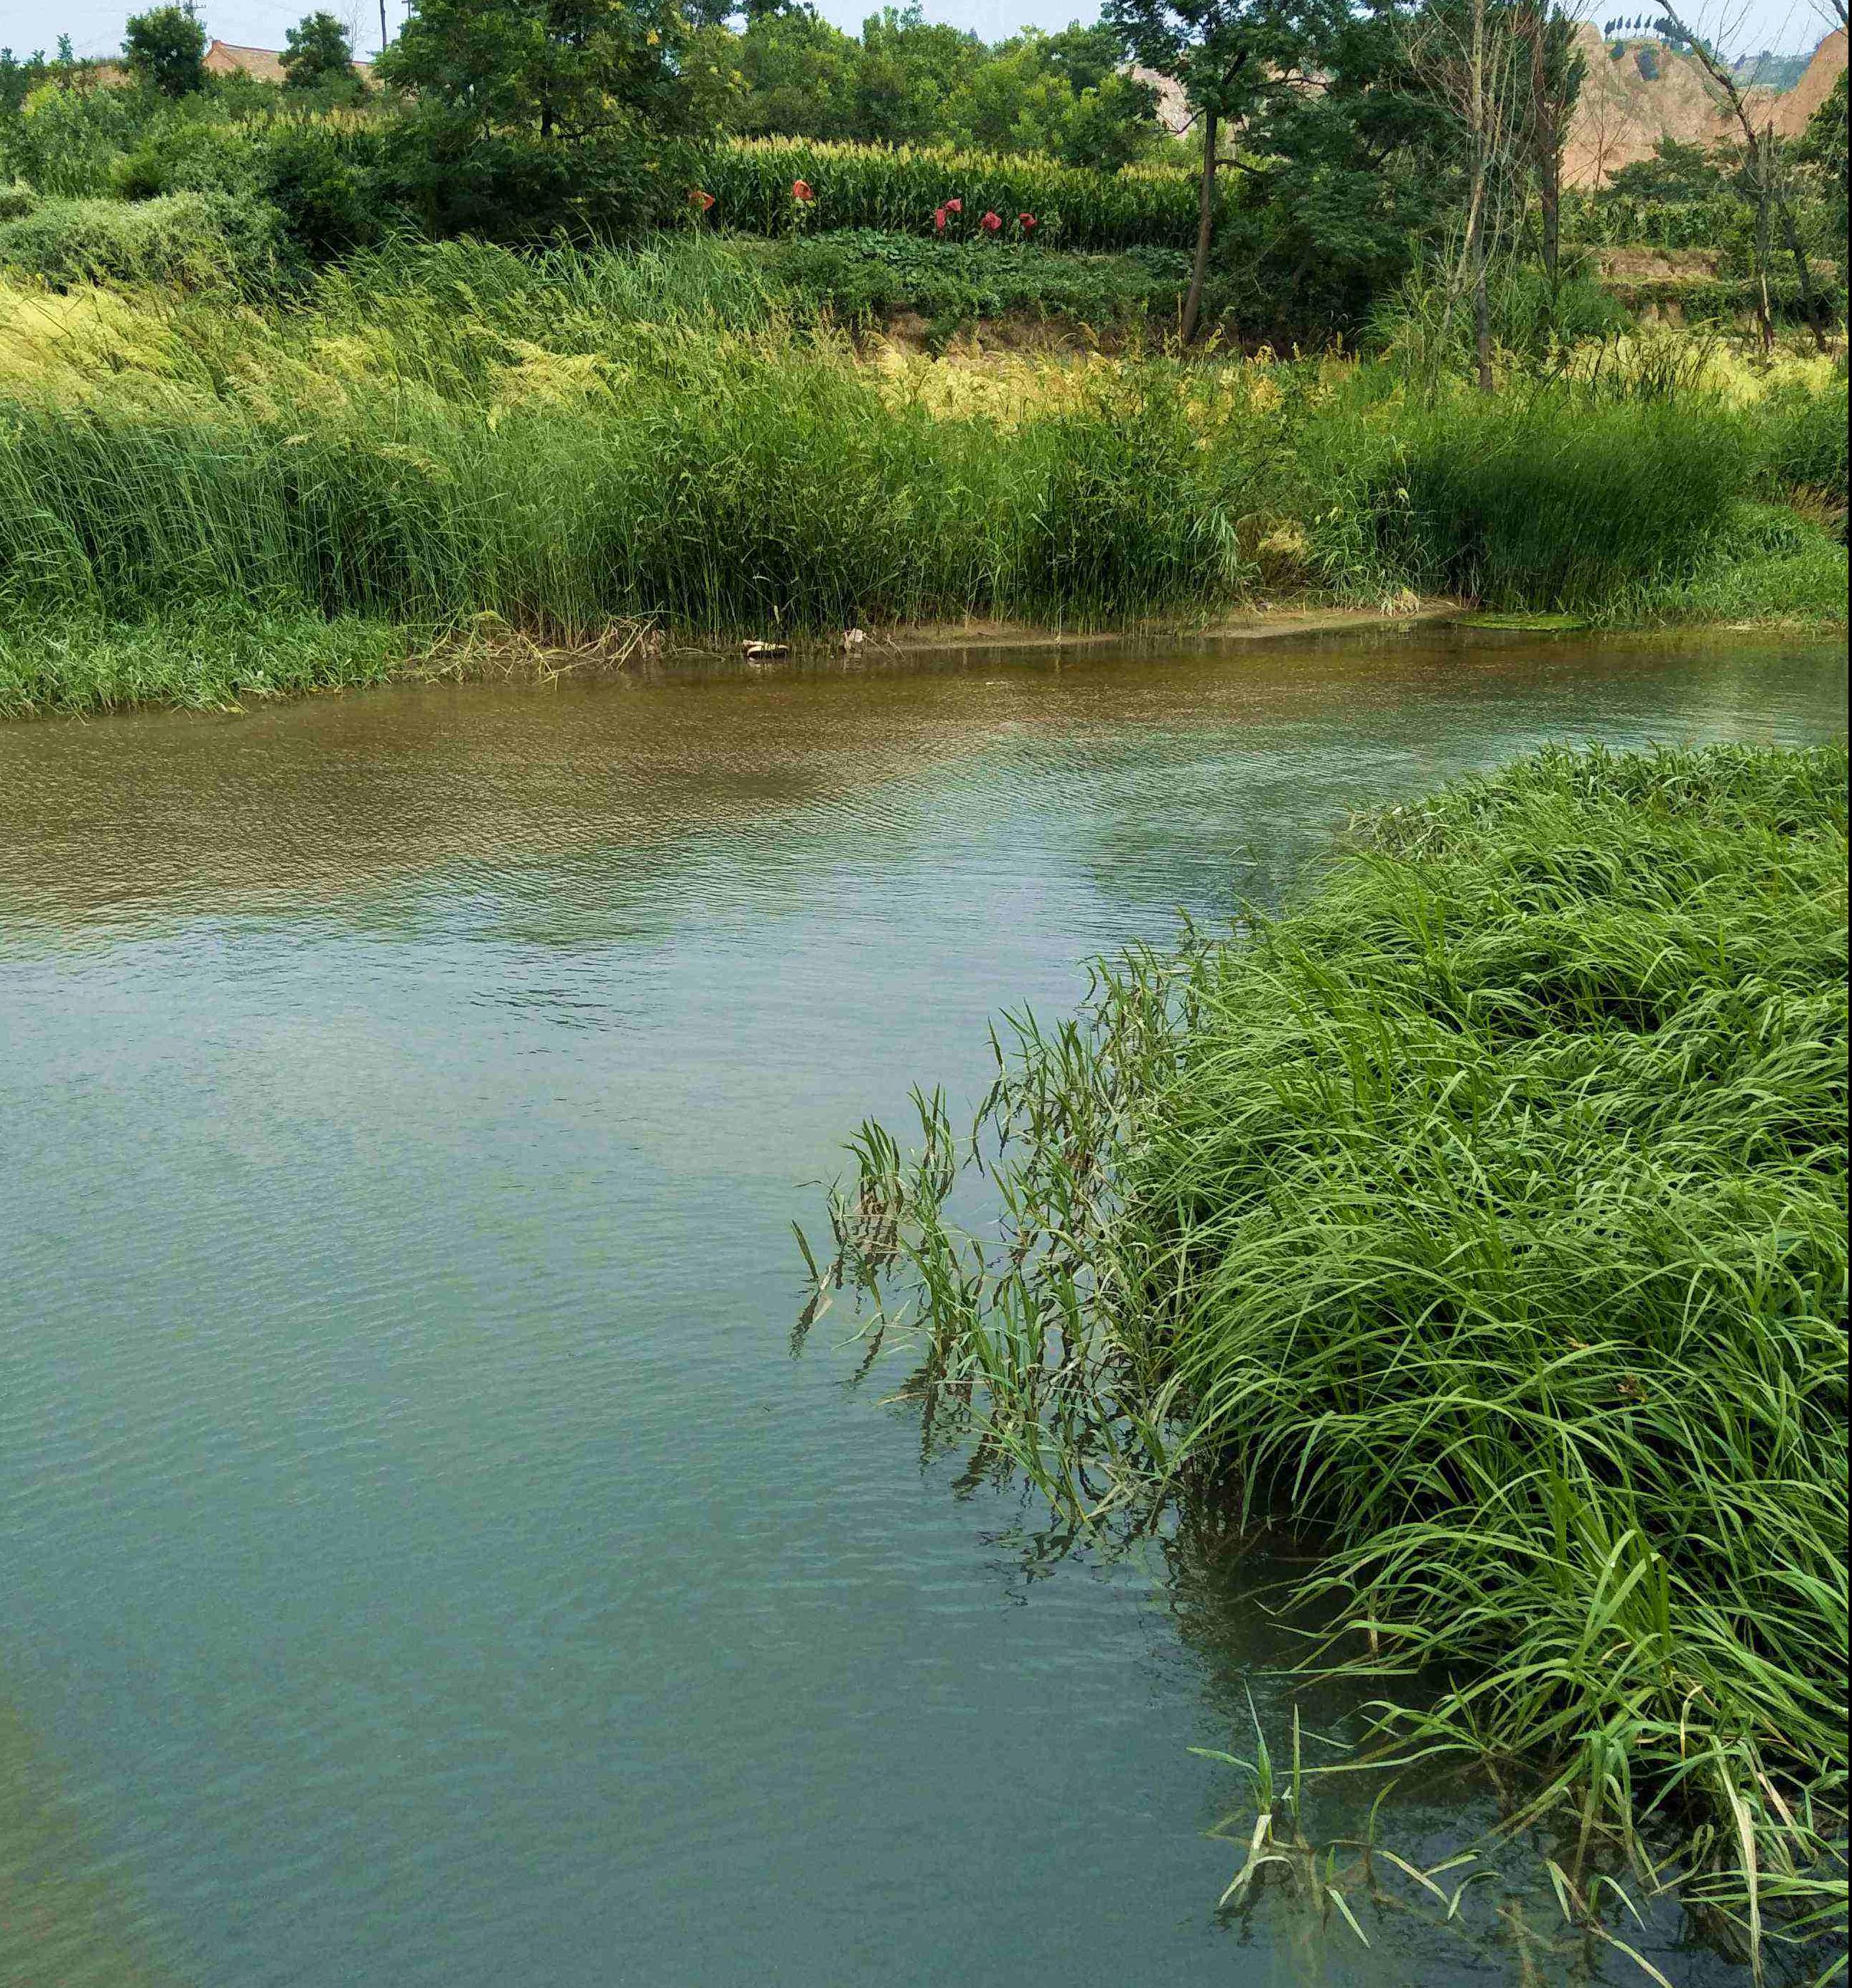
{"x":265,"y":65}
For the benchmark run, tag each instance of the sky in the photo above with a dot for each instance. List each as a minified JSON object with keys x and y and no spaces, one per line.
{"x":95,"y":26}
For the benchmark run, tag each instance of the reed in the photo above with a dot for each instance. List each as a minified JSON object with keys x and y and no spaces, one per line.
{"x":1559,"y":502}
{"x":1484,"y":1214}
{"x":676,"y":435}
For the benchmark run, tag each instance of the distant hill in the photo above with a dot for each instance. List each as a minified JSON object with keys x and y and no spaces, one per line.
{"x":1768,"y":71}
{"x":1638,"y":91}
{"x":1814,"y":86}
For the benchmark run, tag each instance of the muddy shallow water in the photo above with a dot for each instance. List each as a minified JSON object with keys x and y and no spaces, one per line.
{"x":423,"y":1561}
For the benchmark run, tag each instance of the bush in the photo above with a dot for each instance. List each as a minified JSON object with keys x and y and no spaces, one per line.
{"x":65,"y":141}
{"x":326,"y":181}
{"x":514,"y":187}
{"x":193,"y":241}
{"x":179,"y":153}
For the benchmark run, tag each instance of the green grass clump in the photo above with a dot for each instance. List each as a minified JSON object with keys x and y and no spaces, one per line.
{"x":205,"y":660}
{"x":1485,"y":1215}
{"x":1770,"y":567}
{"x":1804,"y":440}
{"x":1561,"y":504}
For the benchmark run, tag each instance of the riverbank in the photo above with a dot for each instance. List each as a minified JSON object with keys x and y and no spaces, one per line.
{"x":201,"y":502}
{"x":237,"y":658}
{"x":1485,"y":1215}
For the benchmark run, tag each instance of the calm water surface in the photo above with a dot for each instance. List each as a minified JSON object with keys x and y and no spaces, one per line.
{"x":420,"y":1561}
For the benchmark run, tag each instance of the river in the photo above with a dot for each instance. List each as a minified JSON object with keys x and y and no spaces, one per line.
{"x":424,"y":1562}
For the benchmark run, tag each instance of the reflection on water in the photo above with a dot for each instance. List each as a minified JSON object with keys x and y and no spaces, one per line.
{"x":64,"y":1917}
{"x":422,"y":1560}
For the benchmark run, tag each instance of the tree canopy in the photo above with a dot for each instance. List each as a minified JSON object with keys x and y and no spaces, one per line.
{"x":317,"y":54}
{"x":557,"y":69}
{"x":166,"y":48}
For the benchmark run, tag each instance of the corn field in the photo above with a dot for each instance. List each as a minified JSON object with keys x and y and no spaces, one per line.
{"x":900,"y":188}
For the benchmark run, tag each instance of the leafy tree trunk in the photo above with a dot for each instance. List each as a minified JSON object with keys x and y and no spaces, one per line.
{"x":1761,"y":162}
{"x":1765,"y":315}
{"x":1205,"y":227}
{"x":1476,"y":223}
{"x":1790,"y":235}
{"x":1549,"y":197}
{"x":1482,"y":316}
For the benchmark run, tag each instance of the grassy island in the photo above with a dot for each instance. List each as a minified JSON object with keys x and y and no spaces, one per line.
{"x":1483,"y":1216}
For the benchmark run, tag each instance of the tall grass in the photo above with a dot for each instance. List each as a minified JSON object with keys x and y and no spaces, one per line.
{"x":727,"y":487}
{"x":1557,"y":503}
{"x":1486,"y":1213}
{"x":680,"y":435}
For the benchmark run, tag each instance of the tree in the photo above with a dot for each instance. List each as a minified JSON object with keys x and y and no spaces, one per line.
{"x":166,"y":48}
{"x":568,"y":71}
{"x":798,"y":74}
{"x":317,"y":55}
{"x":1051,"y":93}
{"x":1468,"y":56}
{"x":1228,"y":56}
{"x":1337,"y":186}
{"x":1767,"y":182}
{"x":1551,"y":76}
{"x":1676,"y":172}
{"x":1823,"y":146}
{"x":907,"y":70}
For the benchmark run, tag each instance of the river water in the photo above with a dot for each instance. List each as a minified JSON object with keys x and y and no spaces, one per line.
{"x":423,"y":1562}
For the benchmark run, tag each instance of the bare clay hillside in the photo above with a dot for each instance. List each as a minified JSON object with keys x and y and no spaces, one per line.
{"x":1638,"y":91}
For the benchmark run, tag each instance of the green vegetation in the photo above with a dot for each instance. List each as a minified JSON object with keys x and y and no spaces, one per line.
{"x":440,"y":433}
{"x":165,"y":49}
{"x":601,"y":121}
{"x":578,"y":320}
{"x":903,"y":190}
{"x":192,"y":241}
{"x":1483,"y":1217}
{"x":867,"y":278}
{"x":207,"y":658}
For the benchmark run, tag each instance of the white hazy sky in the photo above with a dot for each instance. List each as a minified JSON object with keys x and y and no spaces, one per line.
{"x":95,"y":26}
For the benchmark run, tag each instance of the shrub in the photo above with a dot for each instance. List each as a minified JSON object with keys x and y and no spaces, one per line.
{"x":178,"y":154}
{"x":512,"y":187}
{"x":191,"y":240}
{"x":1805,"y":439}
{"x":66,"y":140}
{"x":325,"y":180}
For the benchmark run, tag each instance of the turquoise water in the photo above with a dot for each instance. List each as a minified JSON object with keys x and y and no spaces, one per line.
{"x":423,"y":1561}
